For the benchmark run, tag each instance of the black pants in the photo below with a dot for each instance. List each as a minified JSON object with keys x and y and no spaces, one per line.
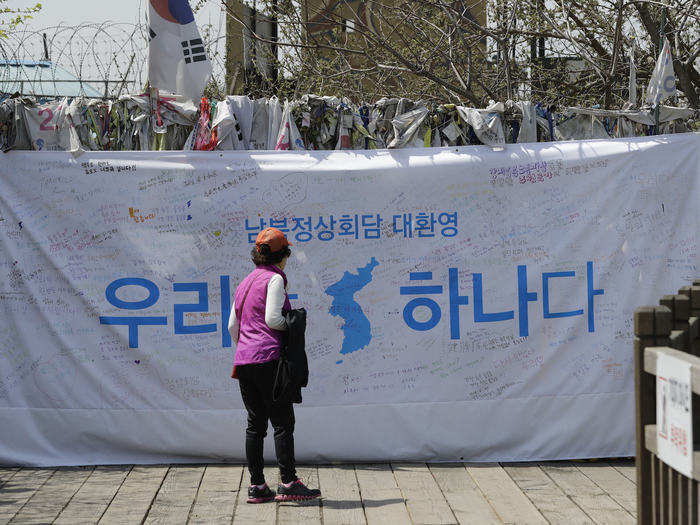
{"x":256,"y":381}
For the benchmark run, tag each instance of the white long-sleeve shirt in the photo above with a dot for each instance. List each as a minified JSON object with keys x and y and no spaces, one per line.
{"x":273,"y":308}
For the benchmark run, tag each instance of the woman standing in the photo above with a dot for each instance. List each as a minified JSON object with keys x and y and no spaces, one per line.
{"x":257,"y":327}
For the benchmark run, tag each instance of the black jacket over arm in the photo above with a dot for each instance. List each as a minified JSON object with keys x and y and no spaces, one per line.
{"x":293,"y":369}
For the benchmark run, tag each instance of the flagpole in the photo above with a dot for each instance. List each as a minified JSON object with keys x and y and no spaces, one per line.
{"x":632,"y":87}
{"x":661,"y":46}
{"x":153,"y":102}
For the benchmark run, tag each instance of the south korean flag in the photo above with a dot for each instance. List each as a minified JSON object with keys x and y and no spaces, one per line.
{"x":662,"y":83}
{"x":177,"y":60}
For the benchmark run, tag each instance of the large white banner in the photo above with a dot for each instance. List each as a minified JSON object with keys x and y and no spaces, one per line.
{"x":464,"y":303}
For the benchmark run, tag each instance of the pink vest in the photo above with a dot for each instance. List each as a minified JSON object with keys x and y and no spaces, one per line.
{"x":257,"y":342}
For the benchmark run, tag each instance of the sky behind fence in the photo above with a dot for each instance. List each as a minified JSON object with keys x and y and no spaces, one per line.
{"x":95,"y":40}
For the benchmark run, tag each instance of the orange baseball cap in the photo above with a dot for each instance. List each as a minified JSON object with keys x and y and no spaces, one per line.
{"x":274,"y":238}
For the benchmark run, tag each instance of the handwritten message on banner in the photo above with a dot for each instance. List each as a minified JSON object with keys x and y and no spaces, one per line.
{"x":462,"y":302}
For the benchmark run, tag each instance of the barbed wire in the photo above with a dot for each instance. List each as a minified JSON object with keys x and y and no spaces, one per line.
{"x":109,"y":58}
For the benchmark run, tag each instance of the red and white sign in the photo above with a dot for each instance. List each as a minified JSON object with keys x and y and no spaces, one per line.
{"x":674,"y":414}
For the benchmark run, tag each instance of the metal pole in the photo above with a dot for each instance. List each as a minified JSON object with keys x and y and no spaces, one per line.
{"x":46,"y":48}
{"x":540,"y":41}
{"x":661,"y":46}
{"x":275,"y":47}
{"x":128,"y":69}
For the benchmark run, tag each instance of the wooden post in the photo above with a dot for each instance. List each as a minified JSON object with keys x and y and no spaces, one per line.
{"x":695,"y":299}
{"x":694,"y":336}
{"x":680,"y":315}
{"x":673,"y":485}
{"x":682,"y":311}
{"x":683,"y":498}
{"x":654,"y":499}
{"x":663,"y":500}
{"x":693,"y":340}
{"x":694,"y":348}
{"x":694,"y":495}
{"x":652,"y":327}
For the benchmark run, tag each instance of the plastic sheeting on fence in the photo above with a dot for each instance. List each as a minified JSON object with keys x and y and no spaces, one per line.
{"x":139,"y":122}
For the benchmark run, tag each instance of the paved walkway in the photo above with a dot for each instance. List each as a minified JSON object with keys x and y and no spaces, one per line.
{"x":397,"y":493}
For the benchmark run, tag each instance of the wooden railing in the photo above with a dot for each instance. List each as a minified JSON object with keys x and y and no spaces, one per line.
{"x":664,"y":495}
